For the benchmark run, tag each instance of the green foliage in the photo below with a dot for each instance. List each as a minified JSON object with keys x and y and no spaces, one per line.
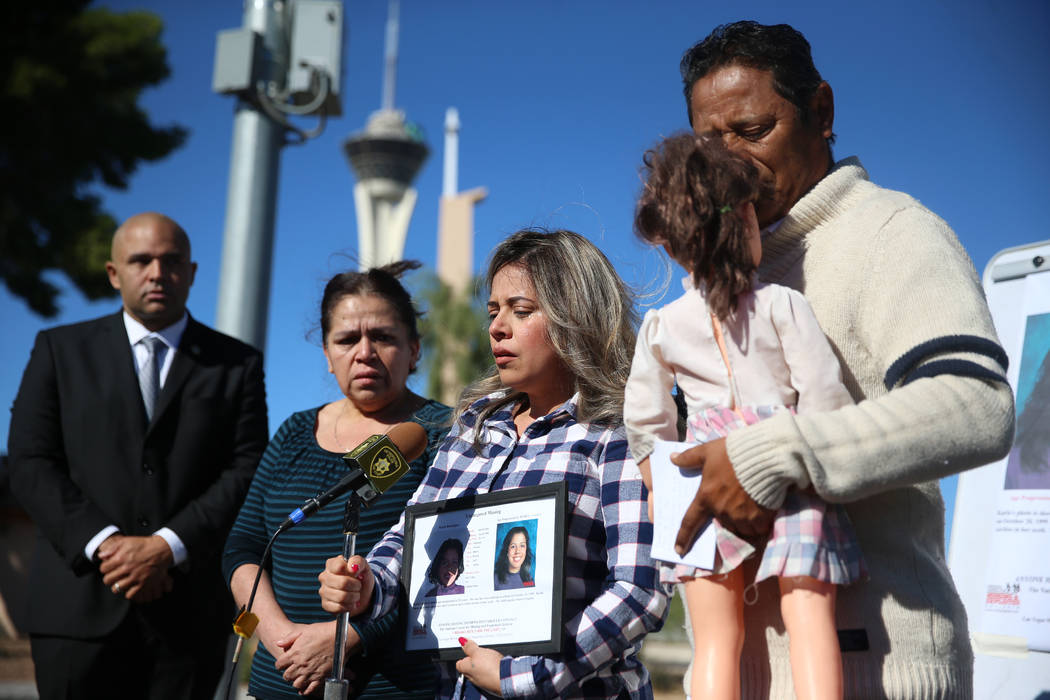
{"x":70,"y":80}
{"x":455,"y":334}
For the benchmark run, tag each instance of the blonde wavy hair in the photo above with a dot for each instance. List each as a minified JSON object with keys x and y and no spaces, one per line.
{"x":590,"y":321}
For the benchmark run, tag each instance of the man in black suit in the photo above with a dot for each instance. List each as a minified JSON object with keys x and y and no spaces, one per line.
{"x":133,"y":440}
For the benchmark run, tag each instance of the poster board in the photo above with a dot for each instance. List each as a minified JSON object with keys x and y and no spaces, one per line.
{"x":1000,"y":540}
{"x":509,"y":549}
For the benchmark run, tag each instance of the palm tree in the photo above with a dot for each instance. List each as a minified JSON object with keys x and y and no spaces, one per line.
{"x":455,"y":339}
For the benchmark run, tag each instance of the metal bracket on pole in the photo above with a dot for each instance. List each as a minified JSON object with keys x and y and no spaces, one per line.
{"x":252,"y":63}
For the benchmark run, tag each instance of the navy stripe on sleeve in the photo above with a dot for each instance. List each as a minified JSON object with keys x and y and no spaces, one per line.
{"x":960,"y":368}
{"x":905,"y":366}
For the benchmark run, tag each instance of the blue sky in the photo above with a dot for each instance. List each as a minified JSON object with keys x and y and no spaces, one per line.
{"x":558,"y":100}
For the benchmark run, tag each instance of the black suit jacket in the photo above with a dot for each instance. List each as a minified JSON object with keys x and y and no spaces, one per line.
{"x":82,"y":456}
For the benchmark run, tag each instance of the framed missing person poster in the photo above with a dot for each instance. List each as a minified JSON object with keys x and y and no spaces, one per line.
{"x":489,"y":567}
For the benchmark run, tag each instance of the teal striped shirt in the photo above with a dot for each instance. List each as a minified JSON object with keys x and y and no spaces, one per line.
{"x":294,"y":468}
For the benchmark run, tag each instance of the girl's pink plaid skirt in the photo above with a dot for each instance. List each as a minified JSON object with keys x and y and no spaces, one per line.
{"x":809,"y":537}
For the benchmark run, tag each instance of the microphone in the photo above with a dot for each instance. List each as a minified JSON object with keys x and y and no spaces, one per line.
{"x":375,"y":465}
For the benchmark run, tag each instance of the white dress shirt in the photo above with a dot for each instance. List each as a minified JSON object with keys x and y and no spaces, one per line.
{"x":171,"y":336}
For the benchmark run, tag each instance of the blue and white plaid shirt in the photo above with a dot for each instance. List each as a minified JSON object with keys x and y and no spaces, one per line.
{"x":613,"y":597}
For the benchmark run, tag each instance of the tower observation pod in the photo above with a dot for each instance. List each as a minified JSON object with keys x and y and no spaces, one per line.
{"x":385,"y":157}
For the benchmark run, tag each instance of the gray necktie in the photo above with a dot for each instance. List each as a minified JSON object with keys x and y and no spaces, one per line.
{"x":149,"y":375}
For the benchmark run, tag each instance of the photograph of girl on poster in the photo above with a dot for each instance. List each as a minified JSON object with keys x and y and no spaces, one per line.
{"x":1028,"y":466}
{"x":515,"y":558}
{"x":446,"y":568}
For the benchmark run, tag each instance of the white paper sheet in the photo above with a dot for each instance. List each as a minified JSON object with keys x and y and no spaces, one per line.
{"x":673,"y":491}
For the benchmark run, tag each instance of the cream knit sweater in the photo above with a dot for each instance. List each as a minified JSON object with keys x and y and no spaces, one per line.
{"x":900,"y":302}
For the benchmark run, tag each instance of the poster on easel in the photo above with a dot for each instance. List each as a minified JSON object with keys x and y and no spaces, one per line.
{"x":1017,"y":584}
{"x":999,"y":549}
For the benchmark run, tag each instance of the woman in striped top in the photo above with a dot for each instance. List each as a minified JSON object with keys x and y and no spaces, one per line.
{"x":371,"y":343}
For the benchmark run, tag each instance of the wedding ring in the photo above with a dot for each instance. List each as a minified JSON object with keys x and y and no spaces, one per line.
{"x":116,"y":588}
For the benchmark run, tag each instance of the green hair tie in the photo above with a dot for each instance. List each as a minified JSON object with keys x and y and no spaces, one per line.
{"x":725,"y":209}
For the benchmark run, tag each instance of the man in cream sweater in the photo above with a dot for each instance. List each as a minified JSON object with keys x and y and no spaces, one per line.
{"x":903,"y":307}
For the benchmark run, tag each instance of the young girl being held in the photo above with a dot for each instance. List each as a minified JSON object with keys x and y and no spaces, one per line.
{"x":738,"y":351}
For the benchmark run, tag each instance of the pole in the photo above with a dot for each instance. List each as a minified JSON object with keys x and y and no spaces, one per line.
{"x":390,"y":54}
{"x":337,"y":687}
{"x":251,"y":200}
{"x":450,"y":176}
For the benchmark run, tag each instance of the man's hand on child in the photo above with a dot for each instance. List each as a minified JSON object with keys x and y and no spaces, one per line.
{"x":720,"y":496}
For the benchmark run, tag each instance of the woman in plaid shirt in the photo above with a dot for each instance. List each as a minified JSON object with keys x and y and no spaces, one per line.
{"x":560,"y":327}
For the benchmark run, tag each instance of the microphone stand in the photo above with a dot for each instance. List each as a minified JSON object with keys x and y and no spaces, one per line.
{"x":336,"y":687}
